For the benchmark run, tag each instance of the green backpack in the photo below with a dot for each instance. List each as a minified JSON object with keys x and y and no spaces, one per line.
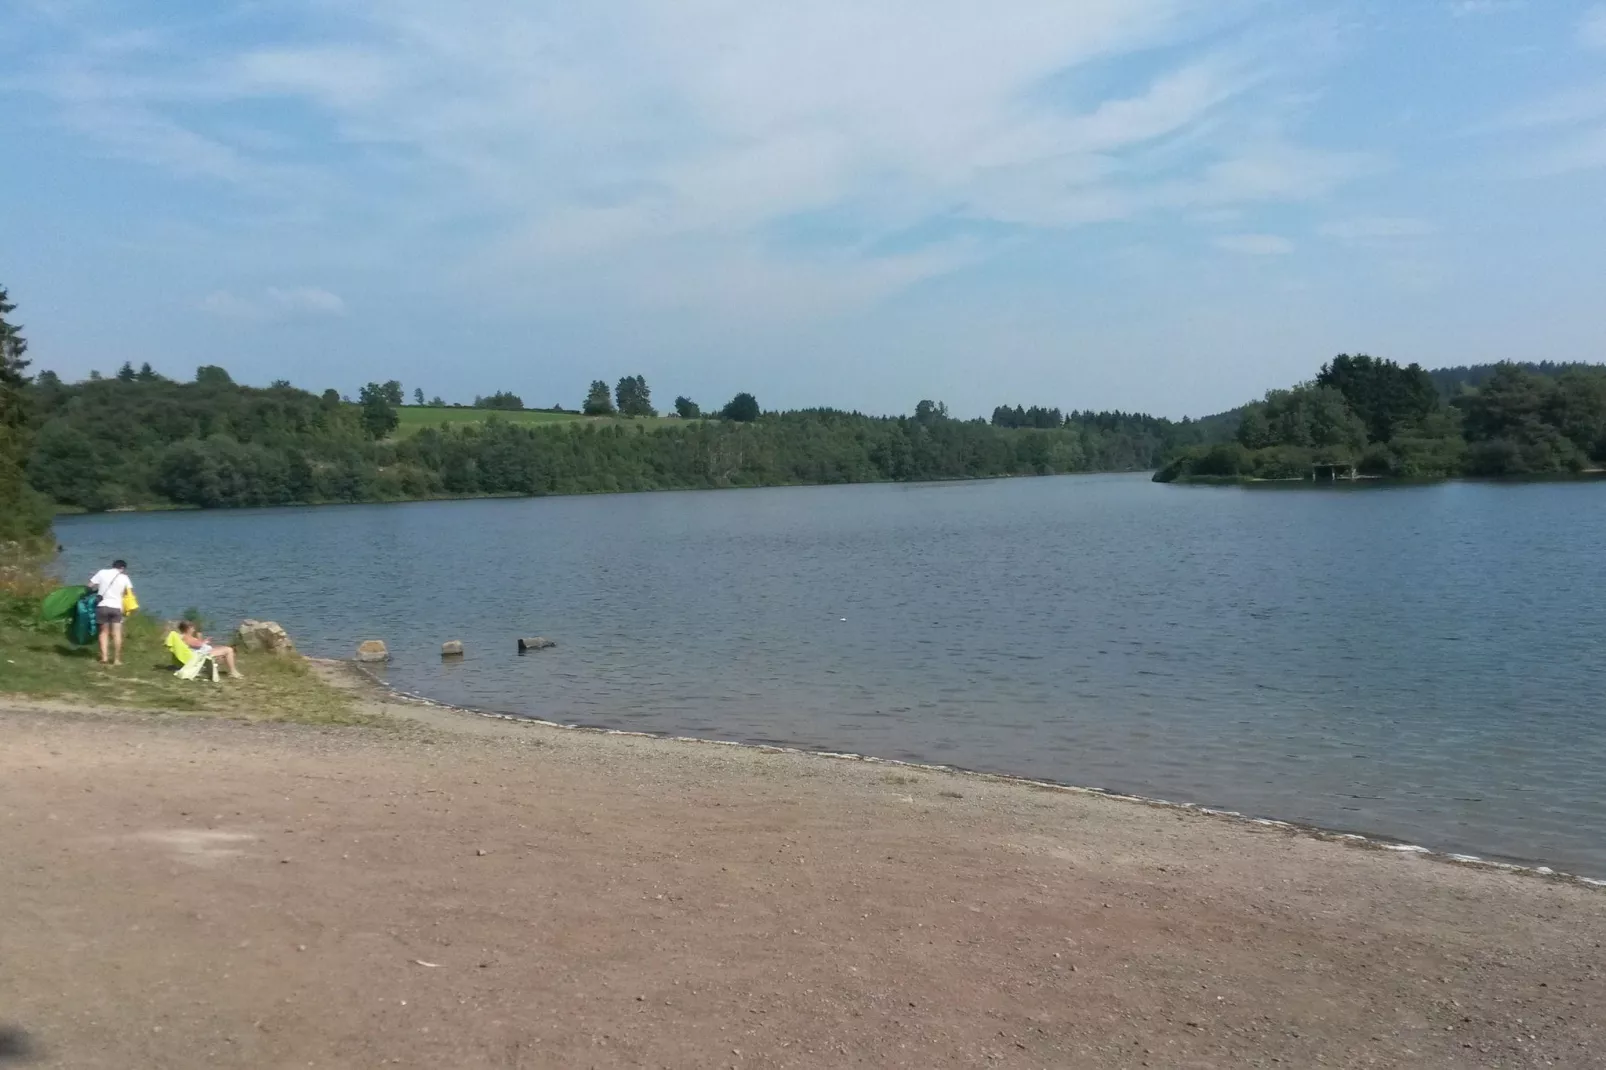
{"x":82,"y":627}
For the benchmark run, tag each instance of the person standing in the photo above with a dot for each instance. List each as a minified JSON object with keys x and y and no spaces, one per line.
{"x":111,"y":584}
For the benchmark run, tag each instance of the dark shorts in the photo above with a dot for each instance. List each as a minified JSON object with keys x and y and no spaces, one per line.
{"x":108,"y":615}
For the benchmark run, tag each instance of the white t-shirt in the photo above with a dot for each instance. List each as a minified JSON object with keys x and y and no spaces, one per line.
{"x":111,"y":583}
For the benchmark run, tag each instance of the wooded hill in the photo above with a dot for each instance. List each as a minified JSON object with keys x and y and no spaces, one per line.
{"x":138,"y":439}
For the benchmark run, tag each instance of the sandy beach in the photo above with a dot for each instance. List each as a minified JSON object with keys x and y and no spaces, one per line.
{"x":453,"y":891}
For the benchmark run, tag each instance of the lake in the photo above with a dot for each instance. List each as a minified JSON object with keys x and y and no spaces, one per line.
{"x":1418,"y":662}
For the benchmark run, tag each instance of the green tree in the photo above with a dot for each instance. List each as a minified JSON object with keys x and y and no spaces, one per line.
{"x":1578,"y":410}
{"x":1254,"y":430}
{"x":393,"y":393}
{"x":212,"y":375}
{"x":1509,"y":425}
{"x":687,"y":409}
{"x":1384,"y":395}
{"x":378,"y":410}
{"x":24,"y":514}
{"x":418,"y":396}
{"x":502,"y":399}
{"x":280,"y":384}
{"x":599,"y":402}
{"x":147,"y":374}
{"x":743,"y":408}
{"x":633,"y":397}
{"x":126,"y":374}
{"x":331,"y":397}
{"x":929,"y":412}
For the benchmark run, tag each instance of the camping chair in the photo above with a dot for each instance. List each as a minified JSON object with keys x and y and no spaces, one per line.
{"x":191,"y":662}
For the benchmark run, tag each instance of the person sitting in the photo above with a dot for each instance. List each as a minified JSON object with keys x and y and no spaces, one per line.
{"x":191,"y":637}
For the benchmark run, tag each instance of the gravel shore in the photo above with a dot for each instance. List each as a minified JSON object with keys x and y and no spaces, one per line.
{"x":452,"y":891}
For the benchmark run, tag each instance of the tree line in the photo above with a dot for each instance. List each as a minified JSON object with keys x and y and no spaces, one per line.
{"x":115,"y":442}
{"x":1387,"y":420}
{"x":137,"y":438}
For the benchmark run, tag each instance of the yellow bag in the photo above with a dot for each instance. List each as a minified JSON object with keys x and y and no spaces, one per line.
{"x":130,"y":603}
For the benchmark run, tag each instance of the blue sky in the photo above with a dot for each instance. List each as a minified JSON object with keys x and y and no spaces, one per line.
{"x":1157,"y":205}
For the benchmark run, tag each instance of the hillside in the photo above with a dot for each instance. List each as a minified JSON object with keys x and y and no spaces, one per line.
{"x":140,"y":440}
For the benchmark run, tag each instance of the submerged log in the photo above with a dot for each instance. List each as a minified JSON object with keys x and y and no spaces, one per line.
{"x":537,"y":643}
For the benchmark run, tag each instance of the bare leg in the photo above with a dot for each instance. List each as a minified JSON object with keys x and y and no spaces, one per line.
{"x":225,"y":654}
{"x":117,"y":642}
{"x":105,"y":639}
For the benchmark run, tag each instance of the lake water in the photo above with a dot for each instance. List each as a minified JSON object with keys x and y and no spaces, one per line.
{"x":1425,"y":663}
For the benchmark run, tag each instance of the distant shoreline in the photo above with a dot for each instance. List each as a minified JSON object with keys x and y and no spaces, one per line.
{"x":169,"y":507}
{"x":1587,"y":475}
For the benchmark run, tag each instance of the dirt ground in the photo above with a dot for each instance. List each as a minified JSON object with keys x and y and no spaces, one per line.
{"x":454,"y":892}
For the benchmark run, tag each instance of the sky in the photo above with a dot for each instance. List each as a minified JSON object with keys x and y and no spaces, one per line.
{"x":1156,"y":205}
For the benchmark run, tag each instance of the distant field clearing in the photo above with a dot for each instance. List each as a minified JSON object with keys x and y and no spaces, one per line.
{"x":414,"y":418}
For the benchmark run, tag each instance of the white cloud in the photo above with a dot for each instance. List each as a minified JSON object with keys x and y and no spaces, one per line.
{"x":1255,"y":244}
{"x":1592,"y":28}
{"x":1374,"y":230}
{"x":275,"y":303}
{"x":606,"y":138}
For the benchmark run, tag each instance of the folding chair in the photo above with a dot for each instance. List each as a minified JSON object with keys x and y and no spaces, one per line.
{"x":191,"y":663}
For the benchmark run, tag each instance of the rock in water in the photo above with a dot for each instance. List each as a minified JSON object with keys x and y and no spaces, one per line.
{"x":373,"y":650}
{"x":263,"y":637}
{"x":452,"y":648}
{"x":535,"y":644}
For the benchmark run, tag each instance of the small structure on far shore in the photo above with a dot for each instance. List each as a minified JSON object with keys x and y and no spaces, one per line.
{"x":1332,"y":473}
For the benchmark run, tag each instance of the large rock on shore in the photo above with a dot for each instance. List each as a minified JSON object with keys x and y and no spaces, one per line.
{"x":263,"y":637}
{"x":373,"y":650}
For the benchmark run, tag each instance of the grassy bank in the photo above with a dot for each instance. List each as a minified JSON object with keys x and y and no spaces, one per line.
{"x":37,"y":662}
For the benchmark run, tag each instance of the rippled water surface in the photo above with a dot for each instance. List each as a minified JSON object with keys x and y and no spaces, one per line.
{"x":1425,"y":663}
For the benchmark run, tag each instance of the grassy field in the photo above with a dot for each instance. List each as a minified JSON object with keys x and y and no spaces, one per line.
{"x":36,"y":661}
{"x":415,"y":418}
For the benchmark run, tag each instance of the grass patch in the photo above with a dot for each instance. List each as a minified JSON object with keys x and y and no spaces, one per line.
{"x":37,"y":661}
{"x":414,"y":418}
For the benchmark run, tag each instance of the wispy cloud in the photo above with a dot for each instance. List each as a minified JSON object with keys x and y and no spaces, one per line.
{"x":1563,"y":133}
{"x":1569,"y":107}
{"x":1592,"y":28}
{"x":607,"y":139}
{"x":275,"y":303}
{"x":1465,"y":8}
{"x":1255,"y":244}
{"x":1375,"y":230}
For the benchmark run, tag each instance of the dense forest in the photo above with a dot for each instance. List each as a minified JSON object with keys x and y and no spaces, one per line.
{"x":138,"y":439}
{"x":1388,"y":420}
